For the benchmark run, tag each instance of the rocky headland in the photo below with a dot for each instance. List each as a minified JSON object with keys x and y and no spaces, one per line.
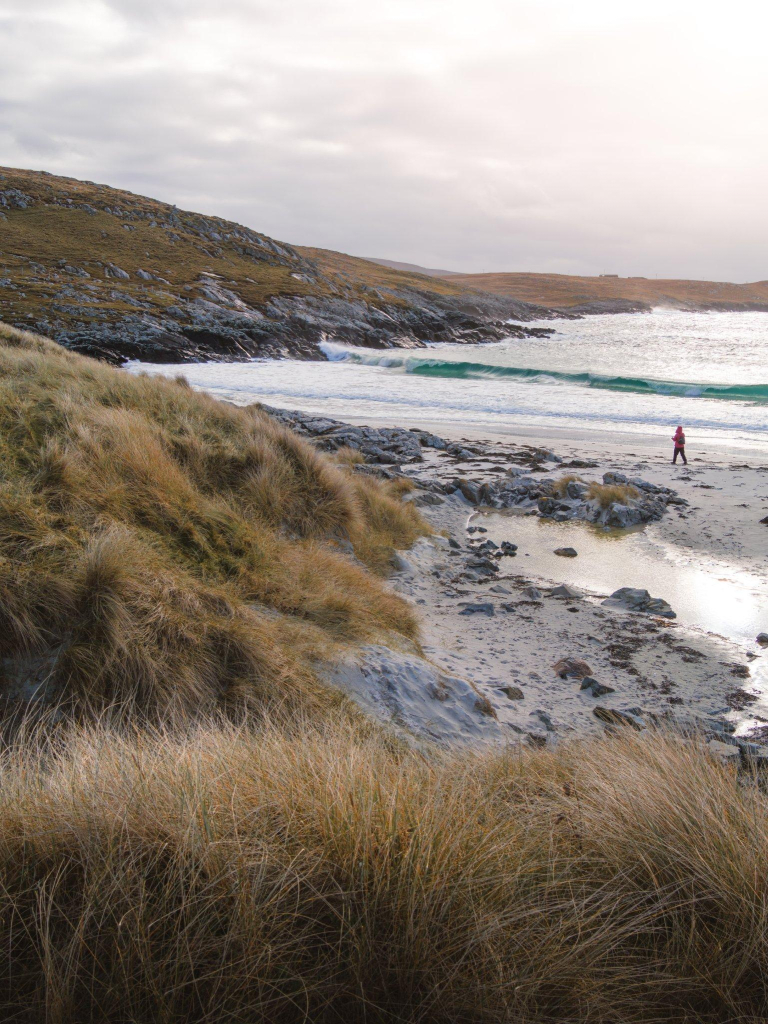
{"x":121,"y":277}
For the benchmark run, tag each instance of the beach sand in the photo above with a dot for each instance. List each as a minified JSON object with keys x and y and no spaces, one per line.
{"x":712,"y":555}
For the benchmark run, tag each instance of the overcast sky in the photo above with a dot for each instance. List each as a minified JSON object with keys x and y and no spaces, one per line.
{"x":577,"y":136}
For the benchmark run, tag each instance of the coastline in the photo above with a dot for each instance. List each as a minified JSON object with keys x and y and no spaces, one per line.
{"x":704,"y":665}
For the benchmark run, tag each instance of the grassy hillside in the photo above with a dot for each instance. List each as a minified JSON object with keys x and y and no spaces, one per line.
{"x":562,"y":290}
{"x":117,"y":275}
{"x":163,"y":550}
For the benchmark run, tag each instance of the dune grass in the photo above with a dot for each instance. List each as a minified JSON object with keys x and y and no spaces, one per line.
{"x":560,"y":486}
{"x":607,"y":494}
{"x":308,"y":873}
{"x":181,"y":553}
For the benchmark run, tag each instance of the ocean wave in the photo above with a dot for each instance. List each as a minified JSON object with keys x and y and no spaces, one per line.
{"x":425,"y":366}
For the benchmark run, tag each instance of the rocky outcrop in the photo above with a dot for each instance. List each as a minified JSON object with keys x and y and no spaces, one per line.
{"x":122,"y":277}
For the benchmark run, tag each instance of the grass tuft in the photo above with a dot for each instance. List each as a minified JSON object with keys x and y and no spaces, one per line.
{"x":607,"y":494}
{"x":175,"y":551}
{"x":318,"y":874}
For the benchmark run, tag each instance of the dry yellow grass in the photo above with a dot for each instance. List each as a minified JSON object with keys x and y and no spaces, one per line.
{"x":313,"y":874}
{"x":180,"y":550}
{"x":606,"y":494}
{"x":560,"y":488}
{"x":569,"y":290}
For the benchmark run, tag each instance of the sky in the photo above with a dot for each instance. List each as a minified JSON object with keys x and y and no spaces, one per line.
{"x":567,"y":136}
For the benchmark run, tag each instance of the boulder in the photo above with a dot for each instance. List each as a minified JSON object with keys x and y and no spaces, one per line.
{"x":565,"y":591}
{"x":508,"y":549}
{"x":634,"y":599}
{"x":566,"y":552}
{"x":762,"y":639}
{"x":482,"y":564}
{"x":513,"y":692}
{"x":572,"y":668}
{"x":596,"y":688}
{"x":622,"y":516}
{"x":481,"y":607}
{"x":576,"y":489}
{"x":532,"y":593}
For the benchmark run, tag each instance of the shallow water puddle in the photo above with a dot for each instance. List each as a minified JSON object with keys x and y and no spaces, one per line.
{"x":715,"y":596}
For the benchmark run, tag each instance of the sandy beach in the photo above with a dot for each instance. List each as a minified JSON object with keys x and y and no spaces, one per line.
{"x":708,"y":559}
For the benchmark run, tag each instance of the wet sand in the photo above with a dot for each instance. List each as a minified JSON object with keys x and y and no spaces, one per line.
{"x":708,"y":559}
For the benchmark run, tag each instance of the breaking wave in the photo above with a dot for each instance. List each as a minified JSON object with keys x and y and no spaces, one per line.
{"x":424,"y":366}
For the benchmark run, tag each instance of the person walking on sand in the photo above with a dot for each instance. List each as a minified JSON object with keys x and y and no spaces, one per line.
{"x":679,"y":440}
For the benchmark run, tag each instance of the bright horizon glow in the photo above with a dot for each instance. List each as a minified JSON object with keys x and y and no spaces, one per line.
{"x":537,"y":136}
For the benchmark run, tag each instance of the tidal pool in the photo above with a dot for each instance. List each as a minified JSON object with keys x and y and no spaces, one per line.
{"x":715,"y":596}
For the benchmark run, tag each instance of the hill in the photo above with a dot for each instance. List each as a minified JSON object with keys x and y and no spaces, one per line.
{"x":619,"y":294}
{"x":412,"y":268}
{"x":119,"y":276}
{"x":162,"y":550}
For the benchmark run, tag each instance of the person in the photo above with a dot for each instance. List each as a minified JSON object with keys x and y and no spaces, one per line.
{"x":679,"y":440}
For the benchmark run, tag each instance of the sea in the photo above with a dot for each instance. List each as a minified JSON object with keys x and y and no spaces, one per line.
{"x":625,"y":374}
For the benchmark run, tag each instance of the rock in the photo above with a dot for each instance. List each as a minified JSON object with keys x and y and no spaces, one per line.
{"x":622,"y":516}
{"x":415,"y":697}
{"x":725,"y":752}
{"x":565,"y":591}
{"x":471,"y":491}
{"x":428,"y":498}
{"x":532,"y":593}
{"x":482,"y":564}
{"x":401,"y":564}
{"x":572,"y":668}
{"x":545,"y":720}
{"x":612,"y":716}
{"x":513,"y":692}
{"x":482,"y":607}
{"x":454,"y":544}
{"x":498,"y":589}
{"x":764,"y":521}
{"x":508,"y":549}
{"x":566,"y":552}
{"x":636,"y":600}
{"x":487,"y":545}
{"x":576,"y":489}
{"x":762,"y":639}
{"x":596,"y":688}
{"x":112,"y":271}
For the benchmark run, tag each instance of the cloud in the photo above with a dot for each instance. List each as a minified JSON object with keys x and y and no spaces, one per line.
{"x":498,"y":135}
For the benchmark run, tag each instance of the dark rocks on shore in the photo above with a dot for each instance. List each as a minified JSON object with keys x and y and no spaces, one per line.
{"x":566,"y":552}
{"x":634,"y":599}
{"x":572,"y":668}
{"x":596,"y":688}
